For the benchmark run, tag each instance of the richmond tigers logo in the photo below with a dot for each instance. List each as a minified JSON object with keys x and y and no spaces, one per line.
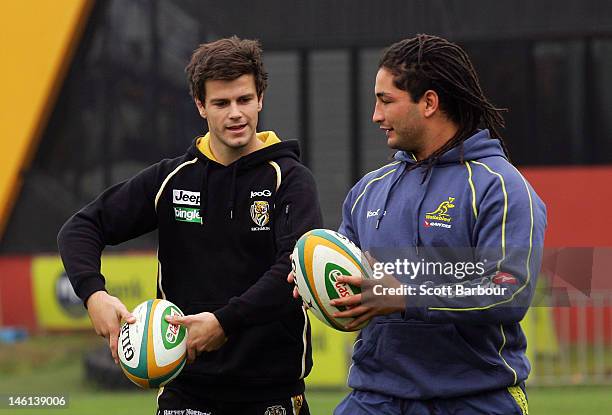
{"x":260,"y":212}
{"x":275,"y":410}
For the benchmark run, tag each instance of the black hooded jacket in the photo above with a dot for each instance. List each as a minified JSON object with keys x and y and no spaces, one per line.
{"x":225,"y":235}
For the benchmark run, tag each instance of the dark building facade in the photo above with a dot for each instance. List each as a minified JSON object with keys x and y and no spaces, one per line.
{"x":125,"y":103}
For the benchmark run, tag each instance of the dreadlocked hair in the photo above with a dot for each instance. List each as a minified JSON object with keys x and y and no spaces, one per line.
{"x":428,"y":62}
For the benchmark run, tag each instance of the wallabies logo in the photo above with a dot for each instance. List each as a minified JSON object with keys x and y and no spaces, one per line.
{"x":440,"y":217}
{"x":443,"y":208}
{"x":260,"y":213}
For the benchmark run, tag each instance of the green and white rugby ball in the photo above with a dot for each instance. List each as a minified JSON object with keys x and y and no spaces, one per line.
{"x":152,"y":351}
{"x":320,"y":256}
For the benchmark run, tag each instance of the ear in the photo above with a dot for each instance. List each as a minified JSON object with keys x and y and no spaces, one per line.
{"x":201,"y":108}
{"x":260,"y":102}
{"x":430,"y":103}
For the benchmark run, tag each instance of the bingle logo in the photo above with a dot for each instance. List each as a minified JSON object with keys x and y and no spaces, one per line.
{"x":185,"y":214}
{"x":185,"y":197}
{"x":264,"y":192}
{"x":371,"y":214}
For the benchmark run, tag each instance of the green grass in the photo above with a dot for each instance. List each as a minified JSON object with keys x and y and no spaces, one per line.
{"x":53,"y":364}
{"x":572,"y":400}
{"x":557,"y":401}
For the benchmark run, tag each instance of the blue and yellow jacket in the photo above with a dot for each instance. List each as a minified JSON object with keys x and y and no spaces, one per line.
{"x":473,"y":208}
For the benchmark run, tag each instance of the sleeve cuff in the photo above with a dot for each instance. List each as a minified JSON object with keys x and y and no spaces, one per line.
{"x":87,"y":284}
{"x":229,"y":319}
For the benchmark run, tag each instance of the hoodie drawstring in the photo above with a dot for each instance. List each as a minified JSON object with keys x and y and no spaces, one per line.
{"x":426,"y":179}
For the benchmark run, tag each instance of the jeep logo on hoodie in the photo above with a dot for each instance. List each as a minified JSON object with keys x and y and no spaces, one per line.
{"x":185,"y":197}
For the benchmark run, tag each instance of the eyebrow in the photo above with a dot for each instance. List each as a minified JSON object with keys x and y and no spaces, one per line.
{"x":221,"y":100}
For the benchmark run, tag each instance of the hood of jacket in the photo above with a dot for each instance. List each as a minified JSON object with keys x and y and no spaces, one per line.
{"x":273,"y":148}
{"x":478,"y":146}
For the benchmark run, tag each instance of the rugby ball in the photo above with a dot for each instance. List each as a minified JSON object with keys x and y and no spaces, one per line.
{"x":152,"y":351}
{"x":319,"y":257}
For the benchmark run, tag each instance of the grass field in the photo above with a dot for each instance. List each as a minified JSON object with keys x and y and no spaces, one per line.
{"x":52,"y":364}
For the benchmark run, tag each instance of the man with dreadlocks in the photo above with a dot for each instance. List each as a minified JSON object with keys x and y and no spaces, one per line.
{"x":451,"y":186}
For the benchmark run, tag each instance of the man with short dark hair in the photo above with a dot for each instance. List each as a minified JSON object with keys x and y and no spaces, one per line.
{"x":450,"y":197}
{"x":228,"y":213}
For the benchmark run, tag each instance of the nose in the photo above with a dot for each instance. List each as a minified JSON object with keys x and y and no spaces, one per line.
{"x":234,"y":111}
{"x":377,"y":117}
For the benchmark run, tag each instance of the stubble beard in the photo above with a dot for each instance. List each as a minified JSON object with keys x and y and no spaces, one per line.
{"x":408,"y":139}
